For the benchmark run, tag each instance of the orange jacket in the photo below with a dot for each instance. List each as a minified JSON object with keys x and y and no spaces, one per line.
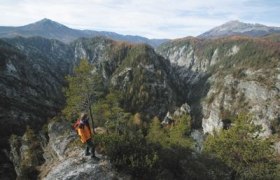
{"x":83,"y":130}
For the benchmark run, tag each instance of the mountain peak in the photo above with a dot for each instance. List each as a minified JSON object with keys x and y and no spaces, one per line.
{"x":44,"y":24}
{"x":233,"y":22}
{"x":237,"y":27}
{"x":48,"y":22}
{"x":45,"y":20}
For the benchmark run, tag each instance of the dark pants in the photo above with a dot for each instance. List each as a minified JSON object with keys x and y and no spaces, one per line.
{"x":90,"y":148}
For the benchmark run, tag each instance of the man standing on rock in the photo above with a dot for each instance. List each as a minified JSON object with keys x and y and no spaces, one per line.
{"x":84,"y":131}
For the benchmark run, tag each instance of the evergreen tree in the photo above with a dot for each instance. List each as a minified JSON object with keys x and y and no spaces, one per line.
{"x":242,"y":149}
{"x":179,"y":134}
{"x":84,"y":87}
{"x":156,"y":133}
{"x":176,"y":135}
{"x":110,"y":114}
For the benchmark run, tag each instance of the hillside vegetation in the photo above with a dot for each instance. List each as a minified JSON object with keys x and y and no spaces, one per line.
{"x":137,"y":145}
{"x":169,"y":113}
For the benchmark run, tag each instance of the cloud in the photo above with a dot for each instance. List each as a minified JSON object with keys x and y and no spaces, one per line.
{"x":150,"y":18}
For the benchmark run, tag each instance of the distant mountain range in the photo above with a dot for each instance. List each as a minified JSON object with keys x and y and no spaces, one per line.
{"x":53,"y":30}
{"x":232,"y":28}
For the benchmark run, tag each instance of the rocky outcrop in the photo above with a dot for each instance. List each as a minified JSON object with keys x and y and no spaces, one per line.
{"x":240,"y":95}
{"x":26,"y":154}
{"x":224,"y":77}
{"x":197,"y":135}
{"x":65,"y":158}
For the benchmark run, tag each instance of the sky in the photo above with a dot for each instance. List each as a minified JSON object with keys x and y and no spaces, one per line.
{"x":148,"y":18}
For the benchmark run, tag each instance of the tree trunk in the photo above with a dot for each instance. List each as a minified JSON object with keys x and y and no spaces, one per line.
{"x":91,"y":117}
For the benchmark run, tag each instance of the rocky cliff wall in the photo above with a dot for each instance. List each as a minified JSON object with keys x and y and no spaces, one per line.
{"x":32,"y":75}
{"x":240,"y":75}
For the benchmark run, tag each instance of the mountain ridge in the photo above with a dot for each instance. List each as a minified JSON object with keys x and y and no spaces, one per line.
{"x":50,"y":29}
{"x":53,"y":30}
{"x":236,"y":27}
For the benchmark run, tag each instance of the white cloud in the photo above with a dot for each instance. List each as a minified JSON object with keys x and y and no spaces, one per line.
{"x":150,"y":18}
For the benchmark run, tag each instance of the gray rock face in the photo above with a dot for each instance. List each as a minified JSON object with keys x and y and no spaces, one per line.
{"x":226,"y":89}
{"x":26,"y":154}
{"x":238,"y":95}
{"x":197,"y":135}
{"x":80,"y":168}
{"x":65,"y":158}
{"x":32,"y":76}
{"x":184,"y":109}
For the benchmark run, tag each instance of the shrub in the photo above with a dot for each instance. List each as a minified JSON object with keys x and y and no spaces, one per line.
{"x":241,"y":148}
{"x":130,"y":153}
{"x":176,"y":135}
{"x":26,"y":154}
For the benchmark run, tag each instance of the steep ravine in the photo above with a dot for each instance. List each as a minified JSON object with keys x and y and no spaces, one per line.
{"x":240,"y":75}
{"x":146,"y":80}
{"x":217,"y":78}
{"x":33,"y":71}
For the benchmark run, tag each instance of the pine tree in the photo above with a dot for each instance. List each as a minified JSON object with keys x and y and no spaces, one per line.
{"x":176,"y":135}
{"x":156,"y":134}
{"x":110,"y":114}
{"x":241,"y":148}
{"x":84,"y":87}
